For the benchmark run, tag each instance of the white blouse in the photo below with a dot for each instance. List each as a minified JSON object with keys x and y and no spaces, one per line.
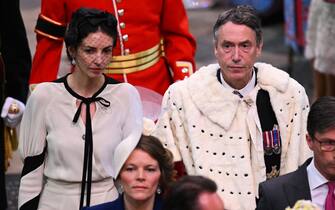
{"x":47,"y":122}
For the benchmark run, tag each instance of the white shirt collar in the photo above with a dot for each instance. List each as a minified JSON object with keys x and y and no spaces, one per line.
{"x":315,"y":178}
{"x":244,"y":91}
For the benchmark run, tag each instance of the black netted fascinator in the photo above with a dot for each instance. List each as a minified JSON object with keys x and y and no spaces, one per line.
{"x":94,"y":17}
{"x":85,"y":21}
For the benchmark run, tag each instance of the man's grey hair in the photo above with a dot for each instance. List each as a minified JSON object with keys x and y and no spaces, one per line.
{"x":241,"y":15}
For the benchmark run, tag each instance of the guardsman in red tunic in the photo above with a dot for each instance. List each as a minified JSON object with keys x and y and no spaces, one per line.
{"x":154,"y":47}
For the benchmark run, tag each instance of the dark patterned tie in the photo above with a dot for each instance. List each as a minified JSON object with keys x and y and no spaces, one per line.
{"x":238,"y":93}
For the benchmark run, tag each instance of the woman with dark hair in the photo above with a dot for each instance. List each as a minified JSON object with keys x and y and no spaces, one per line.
{"x":73,"y":127}
{"x":155,"y":43}
{"x":144,"y":177}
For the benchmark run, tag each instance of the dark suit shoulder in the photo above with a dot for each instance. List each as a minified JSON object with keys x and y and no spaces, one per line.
{"x":285,"y":190}
{"x":299,"y":174}
{"x":272,"y":194}
{"x":279,"y":181}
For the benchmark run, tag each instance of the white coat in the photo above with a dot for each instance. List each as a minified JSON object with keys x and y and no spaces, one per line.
{"x":218,"y":135}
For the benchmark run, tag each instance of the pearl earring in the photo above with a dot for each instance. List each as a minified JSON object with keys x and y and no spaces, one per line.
{"x":120,"y":189}
{"x":159,"y":190}
{"x":73,"y":62}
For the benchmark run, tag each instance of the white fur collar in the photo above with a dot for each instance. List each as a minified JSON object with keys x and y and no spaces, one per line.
{"x":269,"y":76}
{"x":219,"y":104}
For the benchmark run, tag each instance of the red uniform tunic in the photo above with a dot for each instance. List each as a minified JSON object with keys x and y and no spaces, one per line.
{"x":142,"y":26}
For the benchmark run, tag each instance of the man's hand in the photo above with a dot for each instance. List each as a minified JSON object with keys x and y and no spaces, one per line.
{"x":12,"y":111}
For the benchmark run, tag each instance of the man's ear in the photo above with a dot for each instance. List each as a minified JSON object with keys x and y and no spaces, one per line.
{"x":309,"y":141}
{"x":259,"y":49}
{"x":72,"y":52}
{"x":215,"y":48}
